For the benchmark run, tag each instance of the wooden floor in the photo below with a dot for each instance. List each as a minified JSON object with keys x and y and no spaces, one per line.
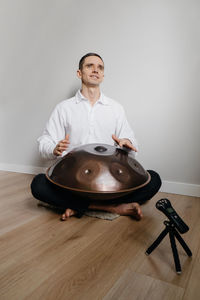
{"x":89,"y":258}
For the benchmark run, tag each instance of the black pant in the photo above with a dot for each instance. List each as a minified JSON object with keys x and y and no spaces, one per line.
{"x":42,"y":189}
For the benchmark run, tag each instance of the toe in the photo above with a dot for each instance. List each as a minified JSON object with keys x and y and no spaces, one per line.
{"x":68,"y":213}
{"x":63,"y":217}
{"x":137,"y":212}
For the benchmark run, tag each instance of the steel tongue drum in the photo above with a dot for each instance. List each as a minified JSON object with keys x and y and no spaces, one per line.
{"x":99,"y":171}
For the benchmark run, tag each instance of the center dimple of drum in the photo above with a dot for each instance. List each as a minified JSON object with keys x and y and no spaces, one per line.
{"x":87,"y":171}
{"x":100,"y":149}
{"x":119,"y":171}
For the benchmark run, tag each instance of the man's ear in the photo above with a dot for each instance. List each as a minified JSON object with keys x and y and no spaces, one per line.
{"x":79,"y":74}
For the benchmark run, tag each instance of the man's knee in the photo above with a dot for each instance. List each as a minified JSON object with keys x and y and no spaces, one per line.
{"x":36,"y":185}
{"x":155,"y":181}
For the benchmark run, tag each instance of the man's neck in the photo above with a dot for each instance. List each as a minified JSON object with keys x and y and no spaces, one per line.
{"x":91,"y":93}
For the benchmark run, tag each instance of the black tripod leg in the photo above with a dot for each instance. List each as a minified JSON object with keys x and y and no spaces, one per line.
{"x":175,"y":252}
{"x":183,"y":243}
{"x":157,"y":241}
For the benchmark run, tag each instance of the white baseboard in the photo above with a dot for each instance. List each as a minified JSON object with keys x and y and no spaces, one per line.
{"x":181,"y":188}
{"x":171,"y":187}
{"x":22,"y":168}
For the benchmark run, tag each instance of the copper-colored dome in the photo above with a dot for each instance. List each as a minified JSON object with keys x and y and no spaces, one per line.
{"x":98,"y":171}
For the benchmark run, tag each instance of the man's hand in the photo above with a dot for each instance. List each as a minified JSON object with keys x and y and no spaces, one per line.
{"x":61,"y":146}
{"x":124,"y":142}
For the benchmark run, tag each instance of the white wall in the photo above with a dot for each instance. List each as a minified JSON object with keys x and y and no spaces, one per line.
{"x":151,"y":51}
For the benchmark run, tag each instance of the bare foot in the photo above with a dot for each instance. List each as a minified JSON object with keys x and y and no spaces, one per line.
{"x":125,"y":209}
{"x":129,"y":209}
{"x":67,"y":214}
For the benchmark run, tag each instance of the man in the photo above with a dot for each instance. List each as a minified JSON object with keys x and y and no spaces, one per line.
{"x":89,"y":117}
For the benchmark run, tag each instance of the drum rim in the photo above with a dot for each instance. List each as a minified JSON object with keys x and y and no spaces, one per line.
{"x":99,"y":192}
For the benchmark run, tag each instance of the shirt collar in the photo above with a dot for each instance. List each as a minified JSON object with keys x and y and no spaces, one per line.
{"x":103,"y":99}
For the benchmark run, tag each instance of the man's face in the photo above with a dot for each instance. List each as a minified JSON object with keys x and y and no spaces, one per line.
{"x":92,"y":72}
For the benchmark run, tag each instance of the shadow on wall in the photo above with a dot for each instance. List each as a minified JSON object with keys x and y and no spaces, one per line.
{"x":72,"y":91}
{"x":41,"y":162}
{"x":38,"y":160}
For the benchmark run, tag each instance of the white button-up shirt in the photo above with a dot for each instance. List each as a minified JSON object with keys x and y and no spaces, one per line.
{"x":85,"y":124}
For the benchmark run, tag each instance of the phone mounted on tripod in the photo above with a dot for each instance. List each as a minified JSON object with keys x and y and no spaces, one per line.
{"x":165,"y":206}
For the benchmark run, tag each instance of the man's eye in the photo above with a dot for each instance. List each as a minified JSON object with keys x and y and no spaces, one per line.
{"x":101,"y":68}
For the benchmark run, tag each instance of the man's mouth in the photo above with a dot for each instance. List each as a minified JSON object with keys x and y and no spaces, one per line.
{"x":94,"y":76}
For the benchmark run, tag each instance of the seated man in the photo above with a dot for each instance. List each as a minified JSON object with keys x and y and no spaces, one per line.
{"x":88,"y":117}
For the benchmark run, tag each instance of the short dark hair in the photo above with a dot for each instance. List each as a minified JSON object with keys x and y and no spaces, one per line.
{"x":81,"y":62}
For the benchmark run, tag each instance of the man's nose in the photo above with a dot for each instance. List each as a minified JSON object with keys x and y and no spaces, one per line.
{"x":95,"y":69}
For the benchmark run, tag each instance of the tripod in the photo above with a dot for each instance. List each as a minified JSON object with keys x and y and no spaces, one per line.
{"x":170,"y":228}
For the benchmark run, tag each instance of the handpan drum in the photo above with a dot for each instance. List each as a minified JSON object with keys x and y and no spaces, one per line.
{"x":98,"y":172}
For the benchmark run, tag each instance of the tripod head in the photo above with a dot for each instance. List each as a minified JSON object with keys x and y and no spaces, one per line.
{"x":165,"y":206}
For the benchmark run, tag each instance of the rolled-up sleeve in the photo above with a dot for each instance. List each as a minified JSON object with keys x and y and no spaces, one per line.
{"x":54,"y":132}
{"x":123,"y":129}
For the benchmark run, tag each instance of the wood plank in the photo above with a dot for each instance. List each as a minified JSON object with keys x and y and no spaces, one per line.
{"x":98,"y":265}
{"x":135,"y":286}
{"x":192,"y":291}
{"x":17,"y":204}
{"x":88,"y":258}
{"x":160,"y":263}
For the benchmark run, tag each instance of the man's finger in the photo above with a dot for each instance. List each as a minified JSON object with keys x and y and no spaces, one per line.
{"x":115,"y":138}
{"x":67,"y":137}
{"x":130,"y":146}
{"x":58,"y":153}
{"x":61,"y":148}
{"x":64,"y":143}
